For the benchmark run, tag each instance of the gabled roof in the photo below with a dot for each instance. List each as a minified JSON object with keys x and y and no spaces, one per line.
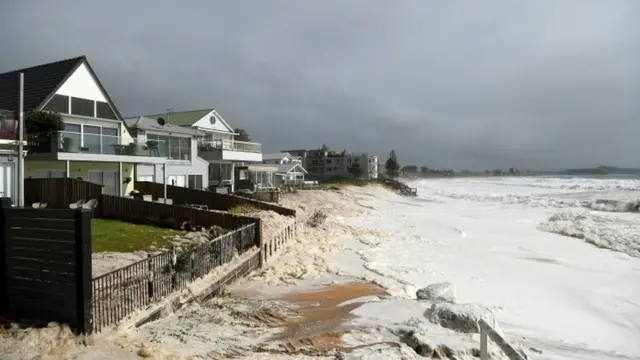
{"x":41,"y":82}
{"x":184,"y":118}
{"x":275,"y":156}
{"x":286,"y":168}
{"x":149,"y":124}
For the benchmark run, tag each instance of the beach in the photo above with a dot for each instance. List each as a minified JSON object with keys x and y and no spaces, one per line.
{"x":552,"y":263}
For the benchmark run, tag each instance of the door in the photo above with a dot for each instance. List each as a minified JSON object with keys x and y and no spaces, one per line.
{"x":109,"y":179}
{"x":7,"y":180}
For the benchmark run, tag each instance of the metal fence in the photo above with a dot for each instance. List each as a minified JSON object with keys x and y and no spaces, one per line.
{"x":273,"y":244}
{"x":125,"y":290}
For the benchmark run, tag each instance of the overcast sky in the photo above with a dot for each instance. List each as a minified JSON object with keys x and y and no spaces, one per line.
{"x":462,"y":84}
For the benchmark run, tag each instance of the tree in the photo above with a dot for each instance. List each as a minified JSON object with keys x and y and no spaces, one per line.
{"x":324,"y":147}
{"x":242,"y":135}
{"x":356,"y":170}
{"x":41,"y":126}
{"x":39,"y":122}
{"x":393,"y":165}
{"x":424,"y":169}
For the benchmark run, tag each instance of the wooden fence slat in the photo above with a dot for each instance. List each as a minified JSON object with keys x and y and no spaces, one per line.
{"x":41,"y":223}
{"x":49,"y":239}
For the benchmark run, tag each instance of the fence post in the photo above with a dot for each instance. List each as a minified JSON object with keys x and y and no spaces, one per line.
{"x":84,"y":301}
{"x":484,"y":351}
{"x":259,"y":242}
{"x":174,"y":274}
{"x":150,"y":278}
{"x":5,"y":203}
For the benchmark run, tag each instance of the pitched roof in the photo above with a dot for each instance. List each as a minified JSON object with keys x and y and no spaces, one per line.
{"x":184,"y":118}
{"x":145,"y":123}
{"x":40,"y":82}
{"x":275,"y":156}
{"x":285,"y":168}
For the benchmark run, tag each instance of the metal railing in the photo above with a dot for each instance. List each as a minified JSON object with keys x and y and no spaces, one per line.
{"x":273,"y":244}
{"x":488,"y":332}
{"x":74,"y":142}
{"x":231,"y":145}
{"x":121,"y":292}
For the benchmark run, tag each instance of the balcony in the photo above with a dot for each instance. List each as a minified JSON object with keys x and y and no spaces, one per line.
{"x":230,"y":150}
{"x":67,"y":145}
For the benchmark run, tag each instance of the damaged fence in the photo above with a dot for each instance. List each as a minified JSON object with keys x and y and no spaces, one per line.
{"x":271,"y":245}
{"x":134,"y":287}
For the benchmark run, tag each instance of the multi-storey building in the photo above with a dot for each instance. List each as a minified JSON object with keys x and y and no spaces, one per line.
{"x":218,"y":145}
{"x":326,"y":164}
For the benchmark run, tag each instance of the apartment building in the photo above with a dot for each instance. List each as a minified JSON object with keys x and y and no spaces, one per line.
{"x":325,"y":164}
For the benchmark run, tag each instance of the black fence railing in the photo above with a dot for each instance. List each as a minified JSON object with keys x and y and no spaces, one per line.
{"x":125,"y":290}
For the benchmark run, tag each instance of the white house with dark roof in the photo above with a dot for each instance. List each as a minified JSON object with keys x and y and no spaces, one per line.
{"x":179,"y":144}
{"x":95,"y":144}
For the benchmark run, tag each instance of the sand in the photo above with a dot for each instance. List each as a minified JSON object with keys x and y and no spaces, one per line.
{"x":296,"y":307}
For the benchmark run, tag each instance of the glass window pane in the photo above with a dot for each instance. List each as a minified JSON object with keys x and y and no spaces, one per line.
{"x":82,"y":107}
{"x":91,"y":139}
{"x":110,"y":182}
{"x":110,"y":140}
{"x":72,"y":127}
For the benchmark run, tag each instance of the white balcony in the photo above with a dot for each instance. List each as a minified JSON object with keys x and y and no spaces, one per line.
{"x":230,"y":150}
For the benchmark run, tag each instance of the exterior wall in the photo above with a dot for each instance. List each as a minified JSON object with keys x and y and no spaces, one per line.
{"x":197,"y":167}
{"x":81,"y":84}
{"x":219,"y":125}
{"x":321,"y":165}
{"x":81,"y":169}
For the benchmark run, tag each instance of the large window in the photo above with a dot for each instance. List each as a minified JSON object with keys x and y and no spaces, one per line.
{"x":173,"y":147}
{"x":195,"y":182}
{"x":92,"y":139}
{"x":59,"y":104}
{"x":103,"y":111}
{"x":83,"y":107}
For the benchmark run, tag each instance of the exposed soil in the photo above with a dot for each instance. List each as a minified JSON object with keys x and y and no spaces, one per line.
{"x":321,"y":320}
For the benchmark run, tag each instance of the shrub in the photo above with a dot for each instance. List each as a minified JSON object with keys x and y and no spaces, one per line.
{"x":317,"y":219}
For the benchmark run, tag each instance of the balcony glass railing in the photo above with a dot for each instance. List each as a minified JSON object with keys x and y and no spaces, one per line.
{"x":72,"y":142}
{"x":230,"y":145}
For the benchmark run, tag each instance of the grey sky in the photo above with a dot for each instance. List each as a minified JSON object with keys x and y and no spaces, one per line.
{"x":463,"y":84}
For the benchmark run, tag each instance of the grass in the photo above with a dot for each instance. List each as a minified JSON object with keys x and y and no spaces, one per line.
{"x":120,"y":236}
{"x":242,"y":209}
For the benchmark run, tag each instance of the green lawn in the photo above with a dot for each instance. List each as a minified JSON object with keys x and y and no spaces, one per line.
{"x":120,"y":236}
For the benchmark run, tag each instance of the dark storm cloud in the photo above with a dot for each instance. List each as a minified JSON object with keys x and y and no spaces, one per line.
{"x":465,"y":84}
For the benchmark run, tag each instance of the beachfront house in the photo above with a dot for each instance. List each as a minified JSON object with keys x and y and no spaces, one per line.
{"x":178,"y":144}
{"x":267,"y":176}
{"x":218,"y":145}
{"x":95,"y":144}
{"x":289,"y":175}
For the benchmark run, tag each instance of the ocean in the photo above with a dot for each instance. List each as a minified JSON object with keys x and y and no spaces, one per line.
{"x":556,"y":258}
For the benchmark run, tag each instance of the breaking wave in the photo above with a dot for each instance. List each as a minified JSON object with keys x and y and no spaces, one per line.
{"x":614,"y":205}
{"x":601,"y":230}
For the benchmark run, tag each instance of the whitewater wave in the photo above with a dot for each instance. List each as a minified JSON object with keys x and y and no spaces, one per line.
{"x":614,"y":205}
{"x":609,"y":232}
{"x":559,"y":201}
{"x":551,"y":183}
